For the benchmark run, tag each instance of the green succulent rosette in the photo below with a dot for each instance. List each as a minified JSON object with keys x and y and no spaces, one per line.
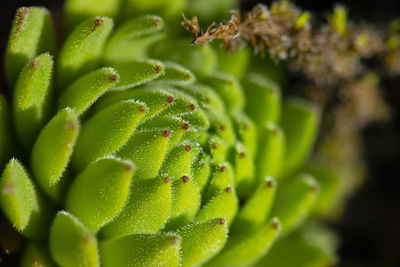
{"x":129,"y":147}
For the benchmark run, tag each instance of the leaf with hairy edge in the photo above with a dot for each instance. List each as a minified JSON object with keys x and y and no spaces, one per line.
{"x":177,"y":162}
{"x":106,"y":132}
{"x":6,"y":136}
{"x":147,"y":150}
{"x":244,"y":170}
{"x":271,"y":151}
{"x":135,"y":73}
{"x":36,"y":254}
{"x":300,"y":122}
{"x":201,"y":170}
{"x":223,"y":205}
{"x":95,"y":84}
{"x":222,"y":178}
{"x":52,"y":151}
{"x":247,"y":249}
{"x":294,"y":200}
{"x":71,"y":243}
{"x":21,"y":203}
{"x":255,"y":211}
{"x":263,"y":98}
{"x":98,"y":194}
{"x":31,"y":34}
{"x":202,"y":240}
{"x":133,"y":38}
{"x":146,"y":210}
{"x":246,"y":131}
{"x":176,"y":74}
{"x":185,"y":202}
{"x":82,"y":50}
{"x":159,"y":250}
{"x":31,"y":105}
{"x":76,"y":11}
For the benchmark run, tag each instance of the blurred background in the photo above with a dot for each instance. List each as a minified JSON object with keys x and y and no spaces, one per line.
{"x":370,"y":227}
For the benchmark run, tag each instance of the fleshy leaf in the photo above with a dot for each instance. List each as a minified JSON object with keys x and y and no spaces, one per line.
{"x":223,"y":205}
{"x":135,"y":73}
{"x":271,"y":151}
{"x":244,"y":170}
{"x":300,"y":122}
{"x":142,"y":251}
{"x":175,"y":74}
{"x":105,"y":132}
{"x":76,"y":11}
{"x":201,"y":170}
{"x":254,"y":213}
{"x":98,"y":194}
{"x":246,"y":131}
{"x":202,"y":240}
{"x":147,"y":150}
{"x":36,"y":254}
{"x":132,"y":40}
{"x":31,"y":98}
{"x":52,"y":150}
{"x":233,"y":62}
{"x":177,"y":162}
{"x":218,"y":148}
{"x":6,"y":137}
{"x":21,"y":202}
{"x":146,"y":210}
{"x":229,"y":89}
{"x":222,"y":178}
{"x":263,"y":98}
{"x":294,"y":200}
{"x":71,"y":243}
{"x":31,"y":34}
{"x":201,"y":59}
{"x":246,"y":250}
{"x":185,"y":202}
{"x":82,"y":50}
{"x":86,"y":90}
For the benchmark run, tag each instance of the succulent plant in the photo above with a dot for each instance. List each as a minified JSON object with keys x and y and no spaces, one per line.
{"x":128,"y":147}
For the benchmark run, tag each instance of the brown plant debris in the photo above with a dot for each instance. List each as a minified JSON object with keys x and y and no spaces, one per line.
{"x":326,"y":54}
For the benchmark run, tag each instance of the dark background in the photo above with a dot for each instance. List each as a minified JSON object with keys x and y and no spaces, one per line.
{"x":370,"y":228}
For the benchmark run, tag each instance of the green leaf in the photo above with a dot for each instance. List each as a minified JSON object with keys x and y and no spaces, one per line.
{"x":200,"y":59}
{"x":185,"y":203}
{"x":135,"y":73}
{"x":223,"y":205}
{"x":177,"y":162}
{"x":205,"y":95}
{"x":21,"y":203}
{"x":222,"y":178}
{"x":176,"y":74}
{"x":328,"y":198}
{"x":201,"y":170}
{"x":95,"y":84}
{"x":106,"y":132}
{"x":31,"y":34}
{"x":263,"y":98}
{"x":31,"y":105}
{"x":218,"y":148}
{"x":246,"y":250}
{"x":161,"y":249}
{"x":147,"y":150}
{"x":300,"y":122}
{"x":76,"y":11}
{"x":233,"y":62}
{"x":244,"y":170}
{"x":6,"y":136}
{"x":36,"y":254}
{"x":52,"y":151}
{"x":304,"y":251}
{"x":167,"y":8}
{"x":98,"y":194}
{"x":18,"y":199}
{"x":294,"y":200}
{"x":82,"y":50}
{"x":228,"y":88}
{"x":71,"y":243}
{"x":132,"y":39}
{"x":146,"y":210}
{"x":222,"y":125}
{"x":271,"y":151}
{"x":202,"y":240}
{"x":254,"y":213}
{"x":246,"y":131}
{"x":155,"y":98}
